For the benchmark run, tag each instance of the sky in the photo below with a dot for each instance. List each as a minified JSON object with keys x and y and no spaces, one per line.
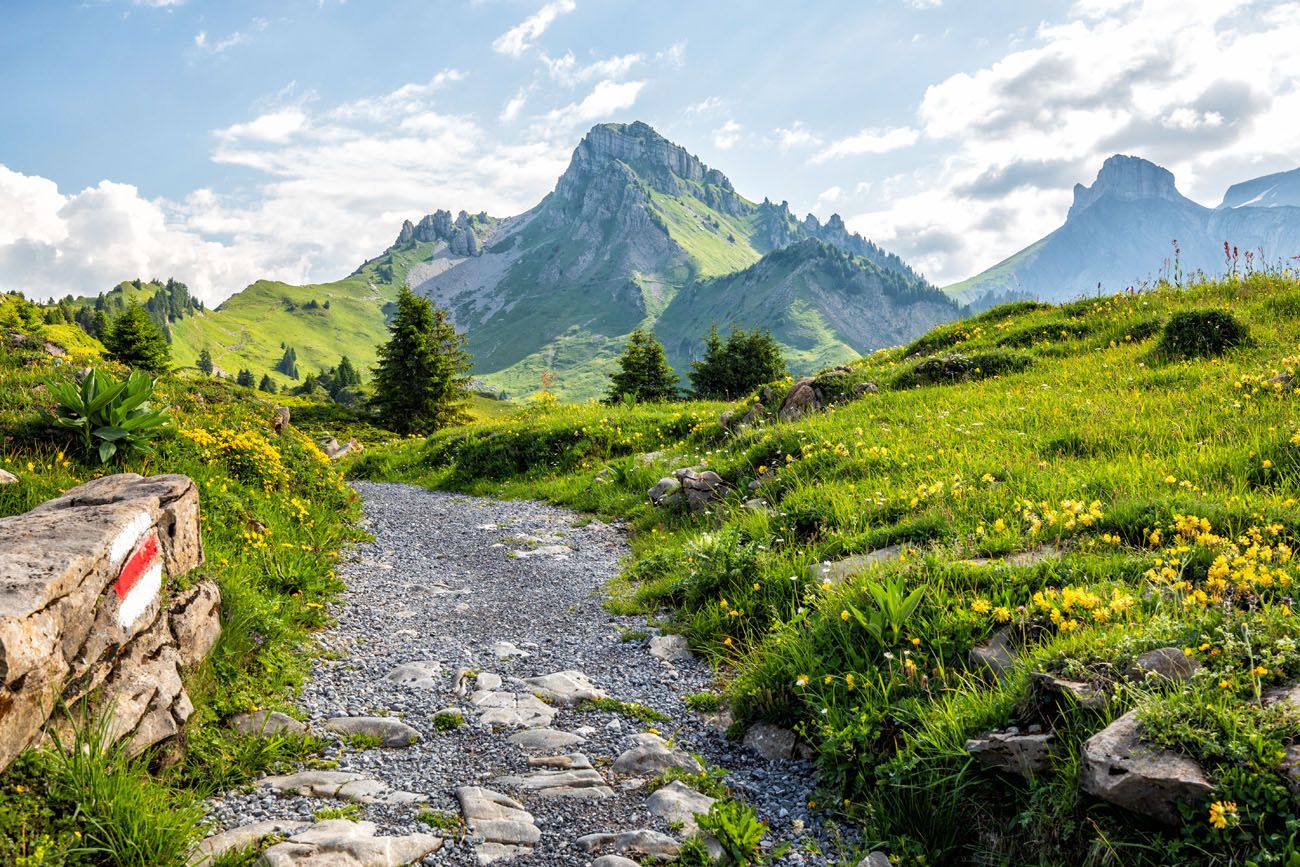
{"x":223,"y":141}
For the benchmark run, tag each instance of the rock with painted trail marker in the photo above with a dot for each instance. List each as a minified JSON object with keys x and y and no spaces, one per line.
{"x":85,"y":581}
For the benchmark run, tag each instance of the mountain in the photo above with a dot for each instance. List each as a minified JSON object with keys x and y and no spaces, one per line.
{"x":637,"y":233}
{"x":1270,"y":191}
{"x":1120,"y":232}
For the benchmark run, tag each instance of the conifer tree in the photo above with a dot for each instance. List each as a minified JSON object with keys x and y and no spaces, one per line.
{"x":643,"y":371}
{"x":204,"y":363}
{"x":267,"y":384}
{"x":245,"y":378}
{"x":731,"y":369}
{"x":135,"y":340}
{"x":421,"y":382}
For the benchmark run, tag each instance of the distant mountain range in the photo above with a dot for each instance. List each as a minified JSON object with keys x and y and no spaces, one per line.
{"x":637,"y":233}
{"x":1120,"y":232}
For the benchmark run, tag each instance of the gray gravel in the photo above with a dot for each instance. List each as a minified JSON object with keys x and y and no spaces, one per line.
{"x":445,"y":579}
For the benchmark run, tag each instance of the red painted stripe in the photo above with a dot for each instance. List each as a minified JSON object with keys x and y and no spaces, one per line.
{"x":140,"y":560}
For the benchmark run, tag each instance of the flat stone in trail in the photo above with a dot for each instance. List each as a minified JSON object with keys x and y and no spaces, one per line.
{"x":677,"y":802}
{"x":506,"y":827}
{"x":392,"y":733}
{"x":554,"y":551}
{"x":266,"y":722}
{"x":343,"y":785}
{"x":565,"y":687}
{"x":545,"y":740}
{"x":342,"y":843}
{"x":208,"y":849}
{"x":614,"y":861}
{"x":510,"y":709}
{"x":670,"y":647}
{"x":643,"y":842}
{"x":424,"y":674}
{"x":570,"y":776}
{"x":651,"y":755}
{"x":507,"y":650}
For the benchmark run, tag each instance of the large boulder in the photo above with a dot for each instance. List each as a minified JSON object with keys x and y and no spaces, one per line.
{"x":85,"y":585}
{"x":802,"y":399}
{"x":1117,"y":767}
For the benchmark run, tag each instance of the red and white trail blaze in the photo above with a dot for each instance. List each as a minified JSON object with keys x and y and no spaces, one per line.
{"x":140,"y":579}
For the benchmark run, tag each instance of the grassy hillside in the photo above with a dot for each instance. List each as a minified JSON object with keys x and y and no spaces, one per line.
{"x":1050,"y":475}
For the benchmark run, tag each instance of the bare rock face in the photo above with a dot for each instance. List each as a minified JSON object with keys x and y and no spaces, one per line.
{"x":1167,"y":663}
{"x":1117,"y":767}
{"x":85,"y":581}
{"x":1026,"y":755}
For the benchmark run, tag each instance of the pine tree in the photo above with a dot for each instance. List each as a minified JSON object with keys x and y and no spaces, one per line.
{"x":643,"y":371}
{"x":734,"y":368}
{"x":422,"y":379}
{"x":245,"y":378}
{"x":135,"y":340}
{"x":267,"y":384}
{"x":99,"y":324}
{"x":204,"y":363}
{"x":288,"y":364}
{"x":345,"y":375}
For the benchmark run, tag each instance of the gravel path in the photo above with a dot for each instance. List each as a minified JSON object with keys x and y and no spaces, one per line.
{"x":446,"y":579}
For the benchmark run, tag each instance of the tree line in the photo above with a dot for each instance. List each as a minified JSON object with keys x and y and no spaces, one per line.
{"x":730,"y":368}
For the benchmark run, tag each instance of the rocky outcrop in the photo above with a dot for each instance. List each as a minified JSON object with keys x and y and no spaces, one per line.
{"x":87,"y":610}
{"x":1117,"y":767}
{"x":1025,"y":755}
{"x":697,"y":488}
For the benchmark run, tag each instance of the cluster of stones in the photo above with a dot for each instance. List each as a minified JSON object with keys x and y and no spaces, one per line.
{"x":808,"y":395}
{"x":89,"y":616}
{"x":693,"y":487}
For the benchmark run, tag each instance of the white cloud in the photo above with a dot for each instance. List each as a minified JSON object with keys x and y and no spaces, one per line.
{"x":1180,"y":84}
{"x":201,"y":38}
{"x":570,"y":73}
{"x":158,"y":4}
{"x":726,"y":136}
{"x":277,"y":126}
{"x":521,"y":37}
{"x":869,"y":141}
{"x":708,"y":105}
{"x":795,"y":136}
{"x":605,"y":98}
{"x":674,"y":55}
{"x":827,"y":198}
{"x":924,"y":4}
{"x":514,"y":106}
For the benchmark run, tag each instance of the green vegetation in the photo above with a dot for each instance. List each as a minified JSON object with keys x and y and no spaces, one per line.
{"x":643,"y":372}
{"x":108,"y":417}
{"x":275,"y":515}
{"x":441,"y":820}
{"x":351,"y":812}
{"x":737,"y":367}
{"x":630,"y":709}
{"x":134,"y":340}
{"x":1050,"y":475}
{"x":448,"y":721}
{"x":1200,"y":334}
{"x":421,"y":382}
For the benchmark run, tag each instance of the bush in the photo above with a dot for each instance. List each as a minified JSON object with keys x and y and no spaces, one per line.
{"x":1200,"y":334}
{"x":111,"y":418}
{"x":954,"y":367}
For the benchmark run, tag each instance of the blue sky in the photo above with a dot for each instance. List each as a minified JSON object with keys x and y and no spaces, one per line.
{"x":223,"y":141}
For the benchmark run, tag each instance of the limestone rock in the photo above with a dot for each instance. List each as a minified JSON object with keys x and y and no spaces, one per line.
{"x":196,"y":621}
{"x":512,"y":710}
{"x":391,"y":733}
{"x":875,"y":859}
{"x":267,"y":722}
{"x":837,"y":571}
{"x":1024,"y":754}
{"x":643,"y":842}
{"x":565,"y":687}
{"x":1117,"y":767}
{"x":677,"y":802}
{"x":666,"y":492}
{"x":507,"y":650}
{"x":800,"y":400}
{"x":335,"y":451}
{"x":570,"y":776}
{"x":343,"y":785}
{"x":506,"y":828}
{"x":670,"y":647}
{"x":1168,"y":663}
{"x":651,"y":755}
{"x":1083,"y":693}
{"x":545,"y":740}
{"x":773,"y":742}
{"x":208,"y":849}
{"x":701,"y":488}
{"x":997,"y":655}
{"x":279,"y":419}
{"x":341,"y":843}
{"x":423,"y":674}
{"x":614,"y":861}
{"x":83,"y":582}
{"x":488,"y":680}
{"x":8,"y":478}
{"x":753,"y":416}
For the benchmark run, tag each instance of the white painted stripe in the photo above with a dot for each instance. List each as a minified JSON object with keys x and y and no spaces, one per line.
{"x":140,"y":596}
{"x":124,"y":542}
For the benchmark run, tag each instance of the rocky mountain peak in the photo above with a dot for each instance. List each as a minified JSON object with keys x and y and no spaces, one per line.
{"x":1128,"y":179}
{"x":650,"y":156}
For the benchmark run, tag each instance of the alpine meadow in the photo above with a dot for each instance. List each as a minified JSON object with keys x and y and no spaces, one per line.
{"x":416,"y":450}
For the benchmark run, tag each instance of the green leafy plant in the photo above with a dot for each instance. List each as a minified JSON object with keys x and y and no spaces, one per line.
{"x":110,"y":417}
{"x":737,"y":828}
{"x":892,"y":608}
{"x":1200,"y":334}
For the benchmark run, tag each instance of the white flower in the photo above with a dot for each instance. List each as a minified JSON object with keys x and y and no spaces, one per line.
{"x":888,"y":655}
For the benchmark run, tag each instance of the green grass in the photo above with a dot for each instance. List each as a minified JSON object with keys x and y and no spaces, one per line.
{"x":633,"y":710}
{"x":1062,"y":427}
